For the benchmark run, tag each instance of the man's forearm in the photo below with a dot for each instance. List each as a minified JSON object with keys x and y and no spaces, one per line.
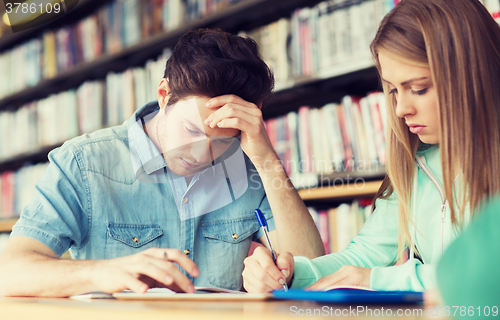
{"x":44,"y":276}
{"x":296,"y":230}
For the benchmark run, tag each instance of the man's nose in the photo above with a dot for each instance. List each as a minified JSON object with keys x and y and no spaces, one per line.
{"x":202,"y":151}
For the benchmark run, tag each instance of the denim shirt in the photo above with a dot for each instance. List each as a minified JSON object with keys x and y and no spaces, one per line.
{"x":101,"y":201}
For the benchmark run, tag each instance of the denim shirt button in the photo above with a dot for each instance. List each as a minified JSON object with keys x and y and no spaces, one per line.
{"x":185,"y":200}
{"x":186,"y":251}
{"x":235,"y":236}
{"x":135,"y":239}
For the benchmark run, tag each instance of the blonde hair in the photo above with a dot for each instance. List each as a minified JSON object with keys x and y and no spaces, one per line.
{"x":460,"y":43}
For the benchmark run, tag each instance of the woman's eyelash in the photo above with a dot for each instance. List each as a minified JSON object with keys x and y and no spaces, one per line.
{"x":419,"y":92}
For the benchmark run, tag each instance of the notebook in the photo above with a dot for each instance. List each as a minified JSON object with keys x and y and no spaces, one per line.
{"x":351,"y":295}
{"x":202,"y":293}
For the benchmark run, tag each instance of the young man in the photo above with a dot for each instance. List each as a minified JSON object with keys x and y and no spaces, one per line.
{"x":176,"y":183}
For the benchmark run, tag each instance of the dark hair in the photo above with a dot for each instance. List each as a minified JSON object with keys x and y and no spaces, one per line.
{"x":212,"y":62}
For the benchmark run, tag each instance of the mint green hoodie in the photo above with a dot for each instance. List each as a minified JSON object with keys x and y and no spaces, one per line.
{"x":376,"y":244}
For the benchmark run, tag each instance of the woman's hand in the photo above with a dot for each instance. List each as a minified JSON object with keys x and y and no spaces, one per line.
{"x":262,"y":275}
{"x":346,"y":275}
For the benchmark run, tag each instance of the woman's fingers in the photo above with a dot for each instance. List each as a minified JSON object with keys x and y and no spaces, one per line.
{"x":261,"y":274}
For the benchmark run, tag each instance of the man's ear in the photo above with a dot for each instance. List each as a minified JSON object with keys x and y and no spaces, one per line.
{"x":163,"y":92}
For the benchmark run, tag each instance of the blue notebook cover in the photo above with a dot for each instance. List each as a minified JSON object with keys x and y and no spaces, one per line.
{"x":351,"y":296}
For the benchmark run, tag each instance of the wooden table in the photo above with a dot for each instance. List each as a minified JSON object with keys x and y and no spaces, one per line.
{"x":106,"y":309}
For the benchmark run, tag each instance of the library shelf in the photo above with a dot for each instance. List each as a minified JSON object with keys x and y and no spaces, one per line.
{"x":365,"y":189}
{"x":7,"y":224}
{"x":335,"y":70}
{"x":83,"y":8}
{"x":355,"y":78}
{"x":35,"y":156}
{"x":360,"y":72}
{"x":242,"y":15}
{"x":331,"y":84}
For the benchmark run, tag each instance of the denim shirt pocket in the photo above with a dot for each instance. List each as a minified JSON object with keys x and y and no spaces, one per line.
{"x":227,"y":245}
{"x":127,"y":239}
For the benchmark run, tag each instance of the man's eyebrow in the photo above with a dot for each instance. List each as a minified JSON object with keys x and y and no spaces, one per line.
{"x":404,"y":83}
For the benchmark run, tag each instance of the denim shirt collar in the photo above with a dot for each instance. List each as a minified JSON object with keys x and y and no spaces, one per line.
{"x":141,"y":147}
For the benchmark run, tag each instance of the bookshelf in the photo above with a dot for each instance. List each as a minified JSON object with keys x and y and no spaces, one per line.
{"x":354,"y":77}
{"x":242,"y":14}
{"x":246,"y":14}
{"x":311,"y":90}
{"x":83,"y":8}
{"x":34,"y":156}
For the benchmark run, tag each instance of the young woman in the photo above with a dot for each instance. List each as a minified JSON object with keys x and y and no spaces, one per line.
{"x":439,"y":63}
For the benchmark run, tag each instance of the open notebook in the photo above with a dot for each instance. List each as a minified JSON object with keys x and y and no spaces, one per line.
{"x":351,"y":295}
{"x":202,"y":293}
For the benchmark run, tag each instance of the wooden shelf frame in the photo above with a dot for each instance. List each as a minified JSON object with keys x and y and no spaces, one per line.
{"x":7,"y":224}
{"x":338,"y":192}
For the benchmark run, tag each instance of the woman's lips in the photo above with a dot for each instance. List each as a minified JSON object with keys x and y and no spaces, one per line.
{"x":416,"y":129}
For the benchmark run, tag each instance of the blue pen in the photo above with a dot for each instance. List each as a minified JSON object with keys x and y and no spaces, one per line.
{"x":263,"y":224}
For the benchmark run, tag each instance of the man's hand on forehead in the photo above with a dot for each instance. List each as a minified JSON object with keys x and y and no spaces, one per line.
{"x":236,"y":113}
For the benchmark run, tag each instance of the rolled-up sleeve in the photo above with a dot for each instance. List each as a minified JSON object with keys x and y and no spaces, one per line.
{"x":266,"y":210}
{"x":59,"y":214}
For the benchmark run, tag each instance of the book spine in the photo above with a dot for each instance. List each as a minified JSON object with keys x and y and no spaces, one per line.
{"x":326,"y":144}
{"x":369,"y":131}
{"x":334,"y":132}
{"x":324,"y":229}
{"x":283,"y":60}
{"x":315,"y":141}
{"x":295,"y":52}
{"x":359,"y":136}
{"x":304,"y":139}
{"x":349,"y":129}
{"x":378,"y":127}
{"x":292,"y":120}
